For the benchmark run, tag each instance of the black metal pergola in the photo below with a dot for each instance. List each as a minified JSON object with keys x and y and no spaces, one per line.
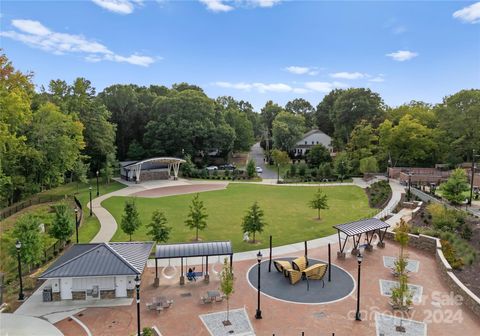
{"x":189,"y":250}
{"x":356,"y":229}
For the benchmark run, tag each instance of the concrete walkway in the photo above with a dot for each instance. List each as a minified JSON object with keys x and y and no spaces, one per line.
{"x":108,"y":224}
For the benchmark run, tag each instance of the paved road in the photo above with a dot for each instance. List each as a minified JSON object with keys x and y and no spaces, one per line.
{"x":256,"y":153}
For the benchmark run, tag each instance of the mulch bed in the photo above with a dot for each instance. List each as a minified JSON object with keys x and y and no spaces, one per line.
{"x":469,"y":274}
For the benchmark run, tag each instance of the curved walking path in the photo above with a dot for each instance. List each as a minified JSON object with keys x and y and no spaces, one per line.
{"x":108,"y":224}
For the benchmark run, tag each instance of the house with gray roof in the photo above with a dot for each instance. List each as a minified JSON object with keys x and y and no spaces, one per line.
{"x":97,"y":271}
{"x":310,"y":139}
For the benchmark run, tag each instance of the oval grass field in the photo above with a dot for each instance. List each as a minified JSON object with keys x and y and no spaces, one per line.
{"x":287,"y":213}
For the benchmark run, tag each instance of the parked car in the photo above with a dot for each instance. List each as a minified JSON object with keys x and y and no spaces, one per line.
{"x":212,"y":168}
{"x":259,"y":170}
{"x":228,"y":166}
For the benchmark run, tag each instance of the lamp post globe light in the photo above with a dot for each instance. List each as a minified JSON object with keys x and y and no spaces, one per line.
{"x":18,"y":245}
{"x":258,"y":314}
{"x":137,"y":286}
{"x":98,"y":192}
{"x":76,"y":223}
{"x":90,"y":190}
{"x":359,"y":260}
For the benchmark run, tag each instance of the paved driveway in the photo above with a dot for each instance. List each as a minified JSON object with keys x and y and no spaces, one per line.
{"x":256,"y":153}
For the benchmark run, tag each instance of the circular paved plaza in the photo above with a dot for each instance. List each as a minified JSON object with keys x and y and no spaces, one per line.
{"x":276,"y":285}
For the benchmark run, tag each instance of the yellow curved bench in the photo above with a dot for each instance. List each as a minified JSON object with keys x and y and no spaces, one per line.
{"x":282,"y":266}
{"x":316,"y":272}
{"x":300,"y":264}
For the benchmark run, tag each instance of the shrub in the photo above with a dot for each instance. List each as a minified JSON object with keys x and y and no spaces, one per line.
{"x":451,"y":255}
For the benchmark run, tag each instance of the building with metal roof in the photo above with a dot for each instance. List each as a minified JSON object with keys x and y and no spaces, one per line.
{"x":102,"y":270}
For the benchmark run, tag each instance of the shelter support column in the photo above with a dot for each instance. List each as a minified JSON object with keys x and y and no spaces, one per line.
{"x":206,"y":278}
{"x":182,"y":277}
{"x":157,"y":280}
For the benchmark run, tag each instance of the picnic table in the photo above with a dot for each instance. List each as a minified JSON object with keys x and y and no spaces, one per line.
{"x":212,"y":294}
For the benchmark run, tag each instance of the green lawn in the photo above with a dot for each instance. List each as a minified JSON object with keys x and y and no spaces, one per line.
{"x":288,"y":216}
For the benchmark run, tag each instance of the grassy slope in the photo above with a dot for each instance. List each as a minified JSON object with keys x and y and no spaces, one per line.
{"x":287,"y":213}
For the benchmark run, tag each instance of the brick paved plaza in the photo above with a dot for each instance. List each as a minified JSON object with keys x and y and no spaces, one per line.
{"x":436,"y":309}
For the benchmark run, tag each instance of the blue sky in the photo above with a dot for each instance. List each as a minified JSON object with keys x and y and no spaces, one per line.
{"x":251,"y":49}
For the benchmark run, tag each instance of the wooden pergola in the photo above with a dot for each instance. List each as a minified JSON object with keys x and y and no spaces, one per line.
{"x":356,"y":230}
{"x":190,"y":250}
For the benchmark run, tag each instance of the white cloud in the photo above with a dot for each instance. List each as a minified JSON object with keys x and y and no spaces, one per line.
{"x":299,"y":70}
{"x":377,"y":79}
{"x":262,"y":87}
{"x":264,"y":3}
{"x":324,"y":86}
{"x":348,"y":75}
{"x":217,"y":5}
{"x":31,"y":27}
{"x":36,"y":35}
{"x":469,"y":14}
{"x":402,"y":55}
{"x":117,"y":6}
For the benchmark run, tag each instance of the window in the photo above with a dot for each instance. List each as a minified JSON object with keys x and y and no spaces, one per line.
{"x":317,"y":142}
{"x":313,"y":142}
{"x":305,"y":142}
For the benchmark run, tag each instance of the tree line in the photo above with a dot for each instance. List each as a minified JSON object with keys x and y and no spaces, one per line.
{"x":67,"y":132}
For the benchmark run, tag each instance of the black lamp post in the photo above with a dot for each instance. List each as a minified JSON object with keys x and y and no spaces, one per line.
{"x":409,"y":185}
{"x":98,"y":192}
{"x":18,"y":245}
{"x":137,"y":286}
{"x":278,"y":173}
{"x":357,"y":314}
{"x":76,"y":223}
{"x":258,"y":315}
{"x":90,"y":189}
{"x":472,"y":177}
{"x":389,"y":163}
{"x":343,"y":171}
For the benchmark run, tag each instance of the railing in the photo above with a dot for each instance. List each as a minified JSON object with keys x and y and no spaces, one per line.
{"x":7,"y":212}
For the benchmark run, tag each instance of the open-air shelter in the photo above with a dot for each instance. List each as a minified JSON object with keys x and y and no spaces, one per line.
{"x":368,"y":227}
{"x":192,"y":250}
{"x":151,"y":169}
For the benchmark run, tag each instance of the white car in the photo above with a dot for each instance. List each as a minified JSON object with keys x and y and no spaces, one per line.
{"x":212,"y":168}
{"x":259,"y":170}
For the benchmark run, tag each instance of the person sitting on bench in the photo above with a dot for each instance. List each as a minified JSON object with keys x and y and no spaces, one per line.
{"x":191,"y":274}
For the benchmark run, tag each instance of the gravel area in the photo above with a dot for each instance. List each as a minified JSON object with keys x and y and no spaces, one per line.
{"x":240,"y":323}
{"x":386,"y":326}
{"x":387,"y":285}
{"x":412,"y":265}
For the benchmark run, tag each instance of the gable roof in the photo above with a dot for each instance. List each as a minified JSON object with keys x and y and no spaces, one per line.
{"x":102,"y":259}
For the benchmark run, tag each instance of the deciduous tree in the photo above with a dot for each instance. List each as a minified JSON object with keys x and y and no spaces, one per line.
{"x":197,"y":217}
{"x":130,"y":219}
{"x":319,"y":201}
{"x":158,"y":228}
{"x":253,"y":221}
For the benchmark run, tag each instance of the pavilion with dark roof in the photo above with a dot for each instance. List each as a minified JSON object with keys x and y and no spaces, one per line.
{"x":355,"y":230}
{"x":97,"y":271}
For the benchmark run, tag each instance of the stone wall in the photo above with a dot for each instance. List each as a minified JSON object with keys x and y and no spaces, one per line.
{"x":56,"y":296}
{"x":421,"y":242}
{"x":434,"y":246}
{"x":79,"y":295}
{"x":130,"y":292}
{"x":146,"y":175}
{"x":107,"y":294}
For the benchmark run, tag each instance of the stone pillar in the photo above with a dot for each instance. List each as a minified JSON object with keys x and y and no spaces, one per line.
{"x":381,"y":244}
{"x":207,"y":278}
{"x":340,"y":255}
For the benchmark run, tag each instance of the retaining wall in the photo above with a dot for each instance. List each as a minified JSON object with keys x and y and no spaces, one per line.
{"x":433,"y":246}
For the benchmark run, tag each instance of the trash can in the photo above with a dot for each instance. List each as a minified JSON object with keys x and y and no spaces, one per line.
{"x":47,"y":294}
